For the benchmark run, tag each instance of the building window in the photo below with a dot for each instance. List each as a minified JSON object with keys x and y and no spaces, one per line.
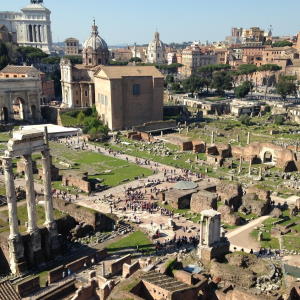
{"x":136,"y":89}
{"x":85,"y":93}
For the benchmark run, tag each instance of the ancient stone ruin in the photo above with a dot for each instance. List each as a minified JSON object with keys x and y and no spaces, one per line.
{"x":27,"y":250}
{"x":211,"y":244}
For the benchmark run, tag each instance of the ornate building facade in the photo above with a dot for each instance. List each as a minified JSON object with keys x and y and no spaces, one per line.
{"x":77,"y":81}
{"x":31,"y":26}
{"x":156,"y":51}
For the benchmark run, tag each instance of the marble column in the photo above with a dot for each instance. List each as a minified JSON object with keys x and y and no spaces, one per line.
{"x":248,"y":138}
{"x":11,"y":197}
{"x":90,"y":95}
{"x":39,"y":33}
{"x":212,"y":140}
{"x":30,"y":194}
{"x":201,"y":233}
{"x":49,"y":218}
{"x":207,"y":232}
{"x":15,"y":243}
{"x":34,"y":33}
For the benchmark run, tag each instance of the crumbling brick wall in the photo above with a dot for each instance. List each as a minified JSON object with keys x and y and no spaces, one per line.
{"x":96,"y":219}
{"x":116,"y":266}
{"x":203,"y":200}
{"x":80,"y":182}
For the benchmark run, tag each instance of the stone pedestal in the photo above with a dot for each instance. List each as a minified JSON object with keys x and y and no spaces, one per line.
{"x":218,"y":251}
{"x":36,"y":256}
{"x":16,"y":255}
{"x":53,"y":246}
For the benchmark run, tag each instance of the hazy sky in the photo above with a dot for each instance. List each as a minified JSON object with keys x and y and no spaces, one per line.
{"x":129,"y":21}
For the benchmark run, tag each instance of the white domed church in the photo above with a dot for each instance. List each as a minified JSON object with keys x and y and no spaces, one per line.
{"x":156,"y":51}
{"x":95,"y":50}
{"x":77,"y":81}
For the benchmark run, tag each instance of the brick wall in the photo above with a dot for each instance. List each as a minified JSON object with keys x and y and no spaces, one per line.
{"x":96,"y":219}
{"x":128,"y":270}
{"x":77,"y":181}
{"x":28,"y":287}
{"x":117,"y":266}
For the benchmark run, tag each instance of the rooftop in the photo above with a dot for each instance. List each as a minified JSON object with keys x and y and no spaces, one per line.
{"x":165,"y":282}
{"x":116,"y":72}
{"x":19,"y":69}
{"x":185,"y":185}
{"x":7,"y":292}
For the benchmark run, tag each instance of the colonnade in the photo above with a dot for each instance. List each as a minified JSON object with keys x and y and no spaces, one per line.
{"x":210,"y":225}
{"x":16,"y":246}
{"x":36,"y":33}
{"x":30,"y":193}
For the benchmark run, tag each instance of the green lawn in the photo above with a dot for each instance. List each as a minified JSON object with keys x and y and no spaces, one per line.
{"x":174,"y":159}
{"x":23,"y":217}
{"x":187,"y":213}
{"x":111,"y":171}
{"x":130,"y":242}
{"x":290,"y":241}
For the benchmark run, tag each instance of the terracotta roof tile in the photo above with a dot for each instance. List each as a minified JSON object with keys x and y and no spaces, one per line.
{"x":7,"y":292}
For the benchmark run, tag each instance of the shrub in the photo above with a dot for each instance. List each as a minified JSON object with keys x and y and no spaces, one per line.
{"x":245,"y":120}
{"x":279,"y":120}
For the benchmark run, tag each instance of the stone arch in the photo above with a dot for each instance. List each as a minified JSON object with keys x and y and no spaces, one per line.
{"x":268,"y":157}
{"x":4,"y":114}
{"x":18,"y":108}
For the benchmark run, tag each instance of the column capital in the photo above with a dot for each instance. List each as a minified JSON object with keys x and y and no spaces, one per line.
{"x":6,"y":162}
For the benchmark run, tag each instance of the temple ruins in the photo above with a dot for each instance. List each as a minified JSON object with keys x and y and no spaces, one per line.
{"x":211,"y":244}
{"x":32,"y":248}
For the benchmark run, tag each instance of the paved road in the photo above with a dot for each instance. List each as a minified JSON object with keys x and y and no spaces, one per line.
{"x":240,"y":237}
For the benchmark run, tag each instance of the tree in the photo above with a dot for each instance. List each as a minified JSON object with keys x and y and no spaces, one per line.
{"x":245,"y":120}
{"x":135,"y":59}
{"x":4,"y":57}
{"x":286,"y":86}
{"x":279,"y":120}
{"x":222,"y":81}
{"x":243,"y":90}
{"x":75,"y":59}
{"x":118,"y":63}
{"x":282,"y":44}
{"x":31,"y":55}
{"x":193,"y":84}
{"x":51,"y":60}
{"x":175,"y":87}
{"x":247,"y":70}
{"x":268,"y":70}
{"x":56,"y":77}
{"x":80,"y":117}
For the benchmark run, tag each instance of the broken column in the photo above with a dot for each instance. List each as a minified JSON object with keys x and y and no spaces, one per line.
{"x":248,"y":138}
{"x":212,"y":138}
{"x":250,"y":165}
{"x":16,"y":249}
{"x":213,"y":245}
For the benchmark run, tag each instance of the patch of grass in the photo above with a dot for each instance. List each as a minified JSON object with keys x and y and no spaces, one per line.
{"x":131,"y":242}
{"x":109,"y":170}
{"x":23,"y":217}
{"x":291,"y":242}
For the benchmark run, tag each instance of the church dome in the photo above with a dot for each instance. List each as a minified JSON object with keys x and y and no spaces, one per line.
{"x":95,"y":42}
{"x":156,"y":50}
{"x":156,"y":43}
